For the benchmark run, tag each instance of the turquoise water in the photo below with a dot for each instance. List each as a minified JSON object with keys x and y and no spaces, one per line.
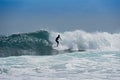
{"x":34,"y":56}
{"x":91,"y":65}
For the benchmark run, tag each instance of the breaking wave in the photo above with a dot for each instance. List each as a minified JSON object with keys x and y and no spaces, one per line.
{"x":81,"y":40}
{"x":43,"y":42}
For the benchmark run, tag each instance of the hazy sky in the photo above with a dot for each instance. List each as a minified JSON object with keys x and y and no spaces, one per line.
{"x":59,"y":15}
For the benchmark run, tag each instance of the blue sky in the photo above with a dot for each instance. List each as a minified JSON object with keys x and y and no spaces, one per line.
{"x":59,"y":15}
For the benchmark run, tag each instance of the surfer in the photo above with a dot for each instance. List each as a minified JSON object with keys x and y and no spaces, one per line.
{"x":57,"y":39}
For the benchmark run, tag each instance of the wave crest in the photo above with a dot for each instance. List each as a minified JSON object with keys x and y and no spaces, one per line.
{"x":81,"y":40}
{"x":43,"y":42}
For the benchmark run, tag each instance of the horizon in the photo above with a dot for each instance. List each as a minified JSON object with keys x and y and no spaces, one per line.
{"x":59,"y":15}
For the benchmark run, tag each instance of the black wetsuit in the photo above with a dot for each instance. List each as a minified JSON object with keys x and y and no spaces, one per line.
{"x":57,"y":39}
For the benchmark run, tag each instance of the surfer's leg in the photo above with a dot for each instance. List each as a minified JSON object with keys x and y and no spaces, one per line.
{"x":57,"y":43}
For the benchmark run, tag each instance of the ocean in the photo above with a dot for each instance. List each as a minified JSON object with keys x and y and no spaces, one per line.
{"x":80,"y":56}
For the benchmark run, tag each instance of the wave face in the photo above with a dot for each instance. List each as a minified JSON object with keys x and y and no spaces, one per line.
{"x":36,"y":43}
{"x":81,"y":40}
{"x":43,"y":42}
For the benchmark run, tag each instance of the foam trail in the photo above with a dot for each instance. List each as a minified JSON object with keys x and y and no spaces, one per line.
{"x":81,"y":40}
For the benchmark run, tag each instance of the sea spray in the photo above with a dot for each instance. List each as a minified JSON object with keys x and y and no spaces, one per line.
{"x":81,"y":40}
{"x":43,"y":42}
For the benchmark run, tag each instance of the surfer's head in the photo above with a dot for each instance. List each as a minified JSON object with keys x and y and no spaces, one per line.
{"x":58,"y":35}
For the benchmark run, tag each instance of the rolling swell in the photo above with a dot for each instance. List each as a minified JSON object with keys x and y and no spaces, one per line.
{"x":36,"y":43}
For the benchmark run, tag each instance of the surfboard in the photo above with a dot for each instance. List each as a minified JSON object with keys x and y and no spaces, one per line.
{"x":60,"y":47}
{"x":70,"y":50}
{"x":63,"y":49}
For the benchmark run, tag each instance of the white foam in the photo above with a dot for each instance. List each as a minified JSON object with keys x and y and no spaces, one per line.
{"x":81,"y":40}
{"x":69,"y":66}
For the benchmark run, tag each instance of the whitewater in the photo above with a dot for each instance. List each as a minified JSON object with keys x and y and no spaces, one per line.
{"x":80,"y":56}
